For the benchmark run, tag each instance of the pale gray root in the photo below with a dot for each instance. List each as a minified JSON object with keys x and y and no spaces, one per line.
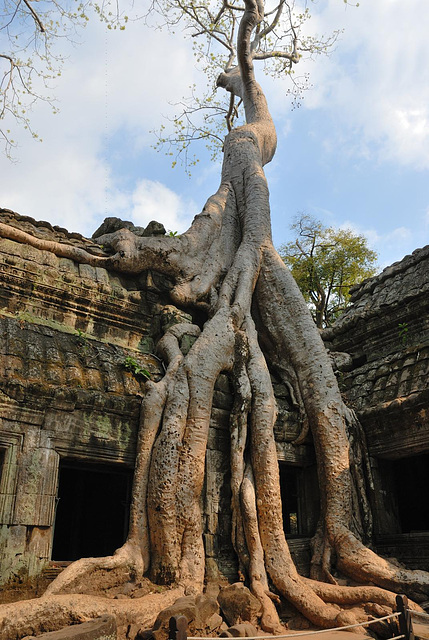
{"x":59,"y":249}
{"x":152,"y":411}
{"x":321,"y":555}
{"x":50,"y":613}
{"x":132,"y":560}
{"x":126,"y":565}
{"x":285,"y":318}
{"x":362,"y":480}
{"x":356,"y":595}
{"x":278,"y":561}
{"x":178,"y":460}
{"x":238,"y":436}
{"x":197,"y":259}
{"x":270,"y":621}
{"x":209,"y":356}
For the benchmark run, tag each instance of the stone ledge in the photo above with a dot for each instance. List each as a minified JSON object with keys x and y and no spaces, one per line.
{"x":103,"y":628}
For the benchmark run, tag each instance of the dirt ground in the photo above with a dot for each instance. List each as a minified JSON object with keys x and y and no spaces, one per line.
{"x":26,"y":589}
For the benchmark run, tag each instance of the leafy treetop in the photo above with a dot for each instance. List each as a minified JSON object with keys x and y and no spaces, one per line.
{"x":325,"y":263}
{"x":31,"y":60}
{"x":280,"y":41}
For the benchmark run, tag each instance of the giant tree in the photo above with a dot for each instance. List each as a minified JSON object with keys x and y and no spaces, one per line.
{"x":250,"y":313}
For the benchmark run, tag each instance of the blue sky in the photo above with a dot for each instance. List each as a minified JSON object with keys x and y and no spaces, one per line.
{"x":356,"y":153}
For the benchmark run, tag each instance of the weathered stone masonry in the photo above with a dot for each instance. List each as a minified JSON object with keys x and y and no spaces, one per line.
{"x":386,"y":332}
{"x":69,"y":408}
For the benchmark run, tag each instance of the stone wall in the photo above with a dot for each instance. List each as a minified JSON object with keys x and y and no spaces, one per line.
{"x":65,"y":333}
{"x":386,"y":333}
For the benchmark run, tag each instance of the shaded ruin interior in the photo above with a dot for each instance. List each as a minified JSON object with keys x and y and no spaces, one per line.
{"x":92,"y":510}
{"x":299,"y":491}
{"x":405,"y":482}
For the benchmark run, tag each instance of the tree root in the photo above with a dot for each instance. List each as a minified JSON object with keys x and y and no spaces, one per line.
{"x":356,"y":595}
{"x":363,"y":565}
{"x":125,"y":565}
{"x":49,"y":613}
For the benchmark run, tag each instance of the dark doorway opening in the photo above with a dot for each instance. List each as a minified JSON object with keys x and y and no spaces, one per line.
{"x":299,"y":490}
{"x":2,"y":463}
{"x":290,"y":503}
{"x":92,"y":510}
{"x":2,"y":459}
{"x":412,"y":483}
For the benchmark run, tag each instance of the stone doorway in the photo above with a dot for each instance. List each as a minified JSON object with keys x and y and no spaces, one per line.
{"x":299,"y":491}
{"x":289,"y":482}
{"x":411,"y":477}
{"x":92,"y":509}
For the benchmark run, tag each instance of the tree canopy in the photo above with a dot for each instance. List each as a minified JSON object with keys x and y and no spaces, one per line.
{"x":31,"y":58}
{"x":326,"y":262}
{"x":280,"y":41}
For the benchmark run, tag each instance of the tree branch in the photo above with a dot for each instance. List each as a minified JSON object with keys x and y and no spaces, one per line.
{"x":193,"y":15}
{"x":35,"y":16}
{"x":275,"y":21}
{"x":252,"y":16}
{"x":7,"y":73}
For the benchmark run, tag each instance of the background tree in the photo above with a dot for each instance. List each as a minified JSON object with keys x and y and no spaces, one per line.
{"x":249,"y":318}
{"x":325,"y":263}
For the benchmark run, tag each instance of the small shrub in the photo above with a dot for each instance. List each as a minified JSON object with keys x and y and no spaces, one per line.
{"x":403,"y":332}
{"x":133,"y":366}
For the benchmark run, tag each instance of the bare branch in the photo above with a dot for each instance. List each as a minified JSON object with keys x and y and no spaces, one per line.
{"x":35,"y":16}
{"x":275,"y":21}
{"x":204,"y":29}
{"x":266,"y":55}
{"x":8,"y":73}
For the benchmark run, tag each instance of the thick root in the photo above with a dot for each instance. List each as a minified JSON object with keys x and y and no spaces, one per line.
{"x":59,"y":249}
{"x":277,"y":556}
{"x":126,"y":565}
{"x":270,"y":621}
{"x":291,"y":330}
{"x":49,"y":613}
{"x":363,"y":565}
{"x":356,"y":595}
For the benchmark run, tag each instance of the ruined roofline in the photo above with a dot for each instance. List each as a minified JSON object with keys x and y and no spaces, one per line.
{"x":44,"y":229}
{"x":368,"y":285}
{"x":397,"y":284}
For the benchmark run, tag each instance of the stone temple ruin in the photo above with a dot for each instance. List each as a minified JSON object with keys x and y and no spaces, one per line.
{"x":74,"y":339}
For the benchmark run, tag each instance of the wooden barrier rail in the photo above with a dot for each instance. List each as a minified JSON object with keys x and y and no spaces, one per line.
{"x":405,"y":622}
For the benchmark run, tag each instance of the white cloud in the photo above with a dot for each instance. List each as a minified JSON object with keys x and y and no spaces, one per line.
{"x":114,"y":85}
{"x":154,"y":201}
{"x":65,"y":185}
{"x":376,"y":84}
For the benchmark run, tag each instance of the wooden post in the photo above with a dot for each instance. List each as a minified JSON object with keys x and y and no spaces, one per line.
{"x":405,"y":622}
{"x":178,"y":628}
